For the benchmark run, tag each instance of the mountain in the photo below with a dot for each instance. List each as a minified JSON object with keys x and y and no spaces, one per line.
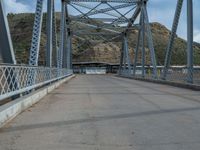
{"x":21,"y":32}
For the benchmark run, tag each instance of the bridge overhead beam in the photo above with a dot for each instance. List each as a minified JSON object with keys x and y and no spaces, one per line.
{"x":105,"y":10}
{"x":95,"y":11}
{"x":6,"y":48}
{"x":105,"y":1}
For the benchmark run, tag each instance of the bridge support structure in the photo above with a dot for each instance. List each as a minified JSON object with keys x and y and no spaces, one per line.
{"x":114,"y":25}
{"x":169,"y":49}
{"x":144,"y":32}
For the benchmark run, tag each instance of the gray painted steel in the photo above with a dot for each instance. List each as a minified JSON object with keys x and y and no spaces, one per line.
{"x":190,"y":56}
{"x":6,"y":48}
{"x":172,"y":37}
{"x":50,"y":35}
{"x":35,"y":44}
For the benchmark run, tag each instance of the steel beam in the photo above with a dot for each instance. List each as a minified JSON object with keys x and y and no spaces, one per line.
{"x":172,"y":38}
{"x":190,"y":41}
{"x":95,"y":10}
{"x":127,"y":57}
{"x":150,"y":42}
{"x":137,"y":49}
{"x":97,"y":27}
{"x":67,"y":60}
{"x":69,"y":51}
{"x":6,"y":48}
{"x":62,"y":35}
{"x":49,"y":33}
{"x":133,"y":18}
{"x":121,"y":20}
{"x":143,"y":42}
{"x":55,"y":44}
{"x":35,"y":44}
{"x":121,"y":59}
{"x":106,"y":1}
{"x":104,"y":10}
{"x":93,"y":33}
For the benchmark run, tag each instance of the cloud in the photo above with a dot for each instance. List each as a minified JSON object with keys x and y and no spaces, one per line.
{"x":197,"y":36}
{"x":15,"y":7}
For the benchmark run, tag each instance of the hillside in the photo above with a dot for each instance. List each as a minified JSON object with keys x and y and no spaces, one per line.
{"x":21,"y":31}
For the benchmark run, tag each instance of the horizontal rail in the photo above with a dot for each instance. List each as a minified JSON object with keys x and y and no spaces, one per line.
{"x":16,"y":80}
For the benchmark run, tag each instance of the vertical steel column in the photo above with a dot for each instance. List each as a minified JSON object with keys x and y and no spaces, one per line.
{"x":37,"y":27}
{"x":150,"y":42}
{"x":62,"y":36}
{"x":121,"y":59}
{"x":126,"y":51}
{"x":49,"y":33}
{"x":6,"y":48}
{"x":55,"y":48}
{"x":190,"y":40}
{"x":136,"y":52}
{"x":172,"y":38}
{"x":143,"y":41}
{"x":69,"y":51}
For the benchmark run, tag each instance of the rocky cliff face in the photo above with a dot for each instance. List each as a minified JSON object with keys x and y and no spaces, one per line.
{"x":21,"y":31}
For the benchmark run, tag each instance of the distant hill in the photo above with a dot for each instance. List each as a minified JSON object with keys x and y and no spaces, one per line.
{"x":21,"y":31}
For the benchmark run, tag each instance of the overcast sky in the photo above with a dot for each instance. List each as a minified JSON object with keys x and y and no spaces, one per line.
{"x":159,"y":11}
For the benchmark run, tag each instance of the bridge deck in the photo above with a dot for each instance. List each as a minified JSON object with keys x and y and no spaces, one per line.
{"x":95,"y":112}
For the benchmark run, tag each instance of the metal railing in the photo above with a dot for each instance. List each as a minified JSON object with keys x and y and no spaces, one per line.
{"x":16,"y":80}
{"x":178,"y":74}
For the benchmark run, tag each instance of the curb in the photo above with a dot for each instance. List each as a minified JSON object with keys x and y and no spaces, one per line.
{"x":10,"y":110}
{"x":170,"y":83}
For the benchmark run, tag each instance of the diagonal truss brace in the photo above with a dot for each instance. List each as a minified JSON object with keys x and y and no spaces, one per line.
{"x":172,"y":38}
{"x":6,"y":48}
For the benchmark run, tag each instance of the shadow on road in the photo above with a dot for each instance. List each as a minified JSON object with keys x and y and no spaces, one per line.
{"x":94,"y":119}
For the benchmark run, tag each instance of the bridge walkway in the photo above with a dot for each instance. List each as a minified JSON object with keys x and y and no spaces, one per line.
{"x":98,"y":112}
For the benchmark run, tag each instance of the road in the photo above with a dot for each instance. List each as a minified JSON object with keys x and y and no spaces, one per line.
{"x":97,"y":112}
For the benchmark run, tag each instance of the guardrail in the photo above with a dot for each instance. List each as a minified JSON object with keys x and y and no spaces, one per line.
{"x":177,"y":74}
{"x":16,"y":80}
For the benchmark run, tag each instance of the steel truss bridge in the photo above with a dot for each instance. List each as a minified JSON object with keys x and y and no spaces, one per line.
{"x":113,"y":18}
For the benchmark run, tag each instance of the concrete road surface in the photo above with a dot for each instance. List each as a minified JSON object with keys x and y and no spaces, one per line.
{"x":96,"y":112}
